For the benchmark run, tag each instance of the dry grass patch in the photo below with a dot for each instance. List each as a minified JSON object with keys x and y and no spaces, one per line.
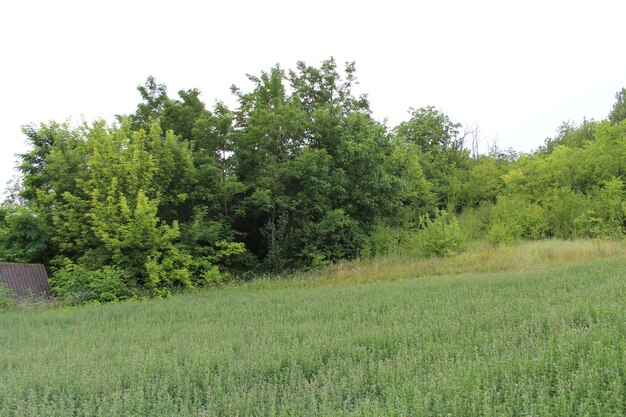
{"x":479,"y":258}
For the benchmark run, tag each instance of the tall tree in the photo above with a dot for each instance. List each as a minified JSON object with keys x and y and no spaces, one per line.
{"x":154,"y":98}
{"x":442,"y":154}
{"x":269,"y":133}
{"x":619,"y":108}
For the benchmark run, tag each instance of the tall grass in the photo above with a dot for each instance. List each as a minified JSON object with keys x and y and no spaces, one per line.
{"x":478,"y":258}
{"x":546,"y":342}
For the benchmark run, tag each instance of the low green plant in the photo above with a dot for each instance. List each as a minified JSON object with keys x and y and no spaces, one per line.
{"x":606,"y":217}
{"x":77,"y":283}
{"x":589,"y":225}
{"x":382,"y":240}
{"x":7,"y":299}
{"x":212,"y":276}
{"x":563,"y":207}
{"x":502,"y":234}
{"x":475,"y":222}
{"x":514,"y":218}
{"x":438,"y":236}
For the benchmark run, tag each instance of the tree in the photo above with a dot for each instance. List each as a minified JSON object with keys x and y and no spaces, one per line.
{"x":299,"y":173}
{"x":33,"y":167}
{"x":24,"y":236}
{"x":442,"y":155}
{"x":269,"y":133}
{"x":432,"y":131}
{"x":175,"y":175}
{"x":619,"y":108}
{"x":154,"y":98}
{"x":484,"y":183}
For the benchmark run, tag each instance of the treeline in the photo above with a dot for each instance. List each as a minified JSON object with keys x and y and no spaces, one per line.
{"x":297,"y":175}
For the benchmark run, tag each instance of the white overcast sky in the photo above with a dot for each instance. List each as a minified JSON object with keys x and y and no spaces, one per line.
{"x":518,"y":69}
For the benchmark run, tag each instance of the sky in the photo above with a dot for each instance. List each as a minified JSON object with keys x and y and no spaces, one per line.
{"x":515,"y":69}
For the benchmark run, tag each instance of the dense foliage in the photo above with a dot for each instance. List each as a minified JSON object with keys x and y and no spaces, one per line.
{"x":177,"y":195}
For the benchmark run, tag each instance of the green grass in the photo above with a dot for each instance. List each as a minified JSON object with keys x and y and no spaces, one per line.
{"x":549,"y":342}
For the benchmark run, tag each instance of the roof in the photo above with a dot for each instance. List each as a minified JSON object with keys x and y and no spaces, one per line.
{"x":25,"y":279}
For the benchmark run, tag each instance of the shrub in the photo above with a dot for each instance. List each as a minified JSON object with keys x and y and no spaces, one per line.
{"x":77,"y":283}
{"x":382,"y":240}
{"x":440,"y":236}
{"x":606,"y":217}
{"x":212,"y":276}
{"x":24,"y":237}
{"x":514,"y":218}
{"x":590,"y":225}
{"x":475,"y":222}
{"x":532,"y":220}
{"x":502,"y":234}
{"x":563,"y":207}
{"x":6,"y":297}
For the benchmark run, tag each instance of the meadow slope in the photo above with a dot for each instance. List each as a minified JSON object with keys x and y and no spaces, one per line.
{"x":546,"y":342}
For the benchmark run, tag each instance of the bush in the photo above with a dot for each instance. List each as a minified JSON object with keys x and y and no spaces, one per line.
{"x":590,"y":225}
{"x":6,"y":297}
{"x":440,"y":236}
{"x":515,"y":218}
{"x":77,"y":283}
{"x":475,"y":222}
{"x":563,"y":207}
{"x":212,"y":276}
{"x":24,"y":236}
{"x":382,"y":240}
{"x":502,"y":234}
{"x":532,"y":219}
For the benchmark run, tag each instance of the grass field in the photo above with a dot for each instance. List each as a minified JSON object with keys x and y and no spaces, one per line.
{"x":549,"y":341}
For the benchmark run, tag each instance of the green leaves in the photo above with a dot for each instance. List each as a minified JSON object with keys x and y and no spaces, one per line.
{"x":78,"y":284}
{"x":24,"y":236}
{"x":618,"y":114}
{"x":299,"y":174}
{"x":127,"y":231}
{"x":110,"y":213}
{"x":439,"y":236}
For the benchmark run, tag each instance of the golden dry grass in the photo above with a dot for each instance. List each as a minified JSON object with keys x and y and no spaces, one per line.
{"x":479,"y":258}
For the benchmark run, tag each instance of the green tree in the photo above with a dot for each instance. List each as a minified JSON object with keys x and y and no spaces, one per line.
{"x":154,"y":98}
{"x":619,"y":108}
{"x":24,"y":236}
{"x":484,"y":183}
{"x":269,"y":134}
{"x":34,"y":163}
{"x":175,"y":176}
{"x":442,"y":155}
